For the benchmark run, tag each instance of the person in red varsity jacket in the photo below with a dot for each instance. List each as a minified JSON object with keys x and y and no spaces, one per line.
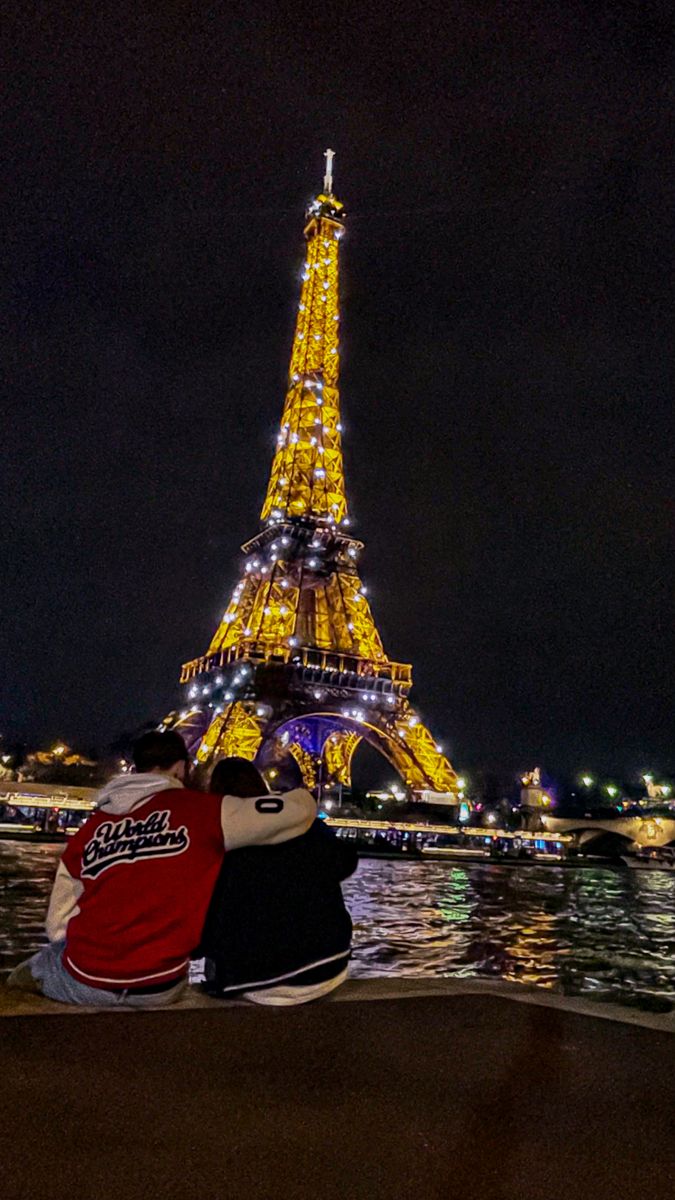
{"x":134,"y":883}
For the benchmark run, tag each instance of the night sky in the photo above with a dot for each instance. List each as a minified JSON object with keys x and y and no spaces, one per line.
{"x":507,"y":352}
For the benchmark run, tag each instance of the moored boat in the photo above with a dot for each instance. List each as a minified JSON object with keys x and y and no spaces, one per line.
{"x":39,"y":812}
{"x":661,"y":858}
{"x":417,"y":840}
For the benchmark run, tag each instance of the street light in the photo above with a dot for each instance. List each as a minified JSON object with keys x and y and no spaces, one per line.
{"x":587,"y":781}
{"x":611,"y":790}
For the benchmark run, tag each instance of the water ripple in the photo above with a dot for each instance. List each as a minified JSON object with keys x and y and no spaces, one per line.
{"x":593,"y":931}
{"x":604,"y":933}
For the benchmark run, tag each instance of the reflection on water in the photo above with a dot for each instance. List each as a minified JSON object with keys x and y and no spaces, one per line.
{"x":26,"y":874}
{"x":603,"y":932}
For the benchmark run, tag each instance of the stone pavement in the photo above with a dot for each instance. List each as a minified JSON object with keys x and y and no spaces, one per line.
{"x":393,"y":1089}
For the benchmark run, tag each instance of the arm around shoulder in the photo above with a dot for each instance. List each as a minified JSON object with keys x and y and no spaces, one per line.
{"x":266,"y":820}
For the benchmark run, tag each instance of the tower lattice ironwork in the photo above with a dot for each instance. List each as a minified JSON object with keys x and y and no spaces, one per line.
{"x":296,"y":674}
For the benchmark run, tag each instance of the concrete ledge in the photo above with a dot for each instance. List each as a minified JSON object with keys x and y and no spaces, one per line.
{"x":445,"y":1090}
{"x":14,"y":1003}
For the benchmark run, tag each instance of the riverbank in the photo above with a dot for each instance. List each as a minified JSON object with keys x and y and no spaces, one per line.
{"x":393,"y":1089}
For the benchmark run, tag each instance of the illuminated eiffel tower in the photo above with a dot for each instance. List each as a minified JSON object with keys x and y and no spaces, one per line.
{"x":296,"y":674}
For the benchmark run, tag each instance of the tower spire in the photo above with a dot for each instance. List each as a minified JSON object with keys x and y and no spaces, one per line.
{"x":329,"y":155}
{"x":307,"y":477}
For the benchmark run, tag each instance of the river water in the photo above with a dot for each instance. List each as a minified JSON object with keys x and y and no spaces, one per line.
{"x":603,"y":933}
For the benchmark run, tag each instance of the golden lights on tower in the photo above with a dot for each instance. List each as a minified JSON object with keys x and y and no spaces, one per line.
{"x":300,"y":606}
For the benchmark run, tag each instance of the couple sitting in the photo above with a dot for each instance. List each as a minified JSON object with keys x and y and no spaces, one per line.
{"x":159,"y":874}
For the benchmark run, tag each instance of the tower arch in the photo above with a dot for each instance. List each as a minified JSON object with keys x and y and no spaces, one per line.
{"x":323,"y":743}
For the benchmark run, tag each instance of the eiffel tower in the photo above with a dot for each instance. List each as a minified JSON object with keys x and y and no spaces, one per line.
{"x":296,"y":674}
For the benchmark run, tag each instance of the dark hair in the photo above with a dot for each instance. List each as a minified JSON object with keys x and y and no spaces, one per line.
{"x":236,"y":777}
{"x":162,"y":750}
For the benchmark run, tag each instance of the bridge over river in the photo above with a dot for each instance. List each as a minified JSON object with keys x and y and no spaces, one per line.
{"x":630,"y":832}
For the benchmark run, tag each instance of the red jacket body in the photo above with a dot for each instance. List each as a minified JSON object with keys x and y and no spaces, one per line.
{"x":169,"y":847}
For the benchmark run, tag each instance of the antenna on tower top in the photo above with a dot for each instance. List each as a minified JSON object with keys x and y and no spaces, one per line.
{"x":329,"y":155}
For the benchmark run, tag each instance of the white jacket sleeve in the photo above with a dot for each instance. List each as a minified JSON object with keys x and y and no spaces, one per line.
{"x":258,"y":820}
{"x":63,"y":903}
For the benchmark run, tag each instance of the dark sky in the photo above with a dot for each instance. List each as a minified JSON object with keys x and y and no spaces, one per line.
{"x":506,"y":382}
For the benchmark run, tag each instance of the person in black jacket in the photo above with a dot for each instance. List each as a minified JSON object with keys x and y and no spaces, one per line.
{"x":277,"y":930}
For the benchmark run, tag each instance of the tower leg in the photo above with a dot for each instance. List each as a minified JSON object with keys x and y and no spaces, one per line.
{"x":309,"y":765}
{"x":416,"y":756}
{"x":338,"y":752}
{"x":237,"y":730}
